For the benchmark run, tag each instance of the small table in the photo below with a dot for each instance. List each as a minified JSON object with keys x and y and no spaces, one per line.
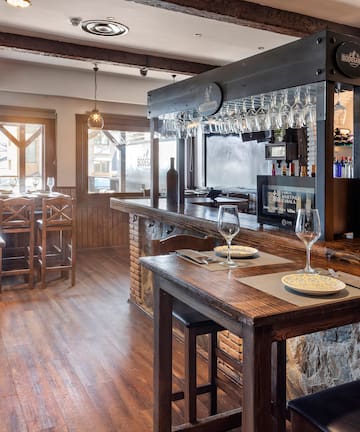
{"x":263,"y":321}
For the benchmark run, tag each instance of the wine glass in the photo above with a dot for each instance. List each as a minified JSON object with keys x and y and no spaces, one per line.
{"x":50,"y":181}
{"x":308,"y":230}
{"x":228,"y":226}
{"x":13,"y":183}
{"x":35,"y":182}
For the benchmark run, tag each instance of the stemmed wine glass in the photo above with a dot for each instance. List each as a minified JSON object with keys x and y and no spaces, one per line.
{"x":308,"y":230}
{"x":228,"y":226}
{"x":35,"y":182}
{"x":51,"y":183}
{"x":13,"y":183}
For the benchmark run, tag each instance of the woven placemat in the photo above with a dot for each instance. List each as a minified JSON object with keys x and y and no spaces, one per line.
{"x":271,"y":284}
{"x":260,"y":259}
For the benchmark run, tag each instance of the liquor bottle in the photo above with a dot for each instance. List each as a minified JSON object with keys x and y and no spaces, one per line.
{"x":343,"y":167}
{"x":345,"y":172}
{"x":313,"y":170}
{"x":292,"y":169}
{"x":351,"y":168}
{"x":283,"y":170}
{"x":172,"y":186}
{"x":273,"y":170}
{"x":338,"y":170}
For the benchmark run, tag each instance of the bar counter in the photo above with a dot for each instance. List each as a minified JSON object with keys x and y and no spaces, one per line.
{"x":199,"y":216}
{"x":304,"y":353}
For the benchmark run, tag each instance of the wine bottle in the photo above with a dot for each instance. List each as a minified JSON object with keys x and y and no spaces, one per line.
{"x":172,"y":186}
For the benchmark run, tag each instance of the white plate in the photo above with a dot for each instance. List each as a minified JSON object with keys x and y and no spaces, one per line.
{"x":313,"y":284}
{"x":236,"y":251}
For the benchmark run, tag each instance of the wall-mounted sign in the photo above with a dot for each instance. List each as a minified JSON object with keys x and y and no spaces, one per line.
{"x":210,"y":99}
{"x":348,"y":59}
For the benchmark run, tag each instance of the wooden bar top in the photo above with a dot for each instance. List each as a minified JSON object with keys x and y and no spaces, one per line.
{"x":197,"y":215}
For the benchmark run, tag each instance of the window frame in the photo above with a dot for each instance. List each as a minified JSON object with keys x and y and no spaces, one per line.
{"x":111,"y":122}
{"x":49,"y":146}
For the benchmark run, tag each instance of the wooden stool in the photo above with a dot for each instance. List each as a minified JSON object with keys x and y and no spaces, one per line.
{"x":194,"y":324}
{"x":57,"y":237}
{"x":17,"y":228}
{"x":335,"y":409}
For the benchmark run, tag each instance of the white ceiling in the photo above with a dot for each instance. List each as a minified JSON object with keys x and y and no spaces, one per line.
{"x":156,"y":31}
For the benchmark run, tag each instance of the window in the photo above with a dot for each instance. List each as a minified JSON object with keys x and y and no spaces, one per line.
{"x":118,"y":161}
{"x":27,"y":151}
{"x":114,"y":160}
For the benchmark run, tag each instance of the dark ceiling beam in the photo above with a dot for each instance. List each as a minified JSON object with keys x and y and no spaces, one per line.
{"x":93,"y":54}
{"x":253,"y":15}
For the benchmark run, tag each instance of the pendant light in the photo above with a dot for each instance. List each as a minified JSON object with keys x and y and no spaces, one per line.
{"x":95,"y":119}
{"x":19,"y":3}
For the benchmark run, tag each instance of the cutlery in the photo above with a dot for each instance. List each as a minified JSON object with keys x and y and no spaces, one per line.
{"x":349,"y":279}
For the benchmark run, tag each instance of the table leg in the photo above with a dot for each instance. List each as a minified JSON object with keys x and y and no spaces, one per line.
{"x":162,"y":358}
{"x":279,"y":385}
{"x":257,"y":380}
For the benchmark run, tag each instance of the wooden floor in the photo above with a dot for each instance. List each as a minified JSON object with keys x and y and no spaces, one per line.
{"x":80,"y":359}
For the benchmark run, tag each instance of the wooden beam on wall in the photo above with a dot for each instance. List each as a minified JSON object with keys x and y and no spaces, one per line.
{"x":89,"y":53}
{"x":253,"y":15}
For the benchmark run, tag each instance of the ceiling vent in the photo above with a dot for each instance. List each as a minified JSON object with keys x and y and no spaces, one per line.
{"x":104,"y":27}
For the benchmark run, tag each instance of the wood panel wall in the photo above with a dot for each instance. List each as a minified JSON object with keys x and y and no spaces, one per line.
{"x":97,"y":224}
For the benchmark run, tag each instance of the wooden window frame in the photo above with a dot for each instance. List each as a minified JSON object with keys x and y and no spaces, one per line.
{"x":49,"y":147}
{"x":111,"y":122}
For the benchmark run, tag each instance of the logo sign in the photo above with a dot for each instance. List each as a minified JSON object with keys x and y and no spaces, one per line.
{"x":210,"y":99}
{"x":348,"y":59}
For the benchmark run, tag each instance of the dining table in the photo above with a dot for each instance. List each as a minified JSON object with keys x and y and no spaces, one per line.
{"x":252,"y":302}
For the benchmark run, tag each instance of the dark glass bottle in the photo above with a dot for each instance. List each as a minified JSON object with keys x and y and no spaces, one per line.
{"x":172,"y":186}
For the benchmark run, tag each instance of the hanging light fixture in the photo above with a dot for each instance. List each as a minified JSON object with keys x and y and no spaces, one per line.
{"x":95,"y":119}
{"x":19,"y":3}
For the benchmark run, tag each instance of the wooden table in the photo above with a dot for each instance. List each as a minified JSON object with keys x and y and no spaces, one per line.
{"x":263,"y":321}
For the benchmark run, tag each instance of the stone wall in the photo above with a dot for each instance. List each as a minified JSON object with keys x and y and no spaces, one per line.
{"x":321,"y":360}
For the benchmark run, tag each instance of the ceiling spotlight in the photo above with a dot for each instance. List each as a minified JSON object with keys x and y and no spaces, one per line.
{"x":104,"y":27}
{"x":143,"y":71}
{"x":75,"y":21}
{"x":19,"y":3}
{"x":260,"y":48}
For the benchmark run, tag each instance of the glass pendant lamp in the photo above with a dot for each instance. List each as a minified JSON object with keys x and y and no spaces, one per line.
{"x":95,"y":119}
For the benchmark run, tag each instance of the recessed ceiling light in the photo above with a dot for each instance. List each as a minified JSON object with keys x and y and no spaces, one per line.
{"x":198,"y":35}
{"x":104,"y":27}
{"x":19,"y":3}
{"x":260,"y":48}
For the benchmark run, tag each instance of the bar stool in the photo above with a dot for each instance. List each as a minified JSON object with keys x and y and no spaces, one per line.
{"x":17,"y":229}
{"x":194,"y":324}
{"x":56,"y":237}
{"x":336,"y":409}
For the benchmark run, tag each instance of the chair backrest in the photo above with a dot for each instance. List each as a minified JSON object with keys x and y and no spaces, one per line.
{"x":17,"y":214}
{"x":182,"y":241}
{"x":58,"y":211}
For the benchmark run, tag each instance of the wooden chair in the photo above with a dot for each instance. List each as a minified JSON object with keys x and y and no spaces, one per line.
{"x":56,"y":237}
{"x":194,"y":324}
{"x":17,"y":228}
{"x":335,"y":409}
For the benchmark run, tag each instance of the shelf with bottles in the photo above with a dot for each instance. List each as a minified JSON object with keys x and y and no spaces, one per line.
{"x":292,"y":169}
{"x":343,"y":137}
{"x":343,"y":167}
